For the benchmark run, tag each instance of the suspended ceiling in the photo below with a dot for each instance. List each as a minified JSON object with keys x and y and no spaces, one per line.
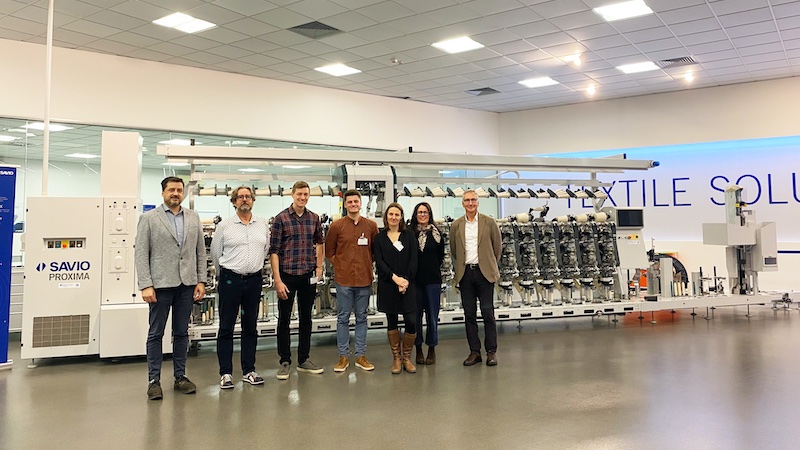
{"x":731,"y":41}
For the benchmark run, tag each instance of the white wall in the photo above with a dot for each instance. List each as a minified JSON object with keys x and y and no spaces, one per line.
{"x":742,"y":111}
{"x":100,"y":89}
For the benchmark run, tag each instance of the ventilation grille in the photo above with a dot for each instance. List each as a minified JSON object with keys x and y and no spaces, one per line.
{"x":482,"y":91}
{"x":59,"y":331}
{"x":676,"y":62}
{"x":315,"y":30}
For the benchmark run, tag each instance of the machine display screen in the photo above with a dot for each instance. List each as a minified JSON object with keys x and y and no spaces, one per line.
{"x":630,"y":218}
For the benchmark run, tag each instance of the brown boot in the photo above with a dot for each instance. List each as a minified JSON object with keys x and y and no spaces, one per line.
{"x":408,"y":344}
{"x":420,"y":355}
{"x":431,"y":359}
{"x":394,"y":343}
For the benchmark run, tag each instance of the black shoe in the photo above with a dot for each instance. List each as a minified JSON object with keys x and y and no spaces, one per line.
{"x":472,"y":359}
{"x":491,"y":359}
{"x":185,"y":386}
{"x":154,"y":390}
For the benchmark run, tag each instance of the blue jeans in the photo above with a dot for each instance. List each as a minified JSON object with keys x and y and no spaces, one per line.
{"x":428,"y":296}
{"x":180,"y":300}
{"x":349,"y":299}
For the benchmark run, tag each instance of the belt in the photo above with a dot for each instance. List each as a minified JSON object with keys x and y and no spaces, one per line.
{"x":233,"y":274}
{"x":472,"y":266}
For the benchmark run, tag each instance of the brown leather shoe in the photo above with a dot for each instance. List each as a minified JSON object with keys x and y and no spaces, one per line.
{"x":472,"y":359}
{"x":491,"y":359}
{"x":420,"y":355}
{"x":431,"y":359}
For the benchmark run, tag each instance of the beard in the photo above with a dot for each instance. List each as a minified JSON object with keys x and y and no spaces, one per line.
{"x":244,"y":208}
{"x":174,"y":201}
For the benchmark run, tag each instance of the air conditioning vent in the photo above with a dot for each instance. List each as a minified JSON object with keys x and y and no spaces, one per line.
{"x":482,"y":91}
{"x":676,"y":62}
{"x":315,"y":30}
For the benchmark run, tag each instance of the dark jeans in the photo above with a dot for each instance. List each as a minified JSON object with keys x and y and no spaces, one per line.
{"x":428,"y":296}
{"x":305,"y":301}
{"x":475,"y":287}
{"x":180,"y":300}
{"x":237,"y":293}
{"x":409,"y":322}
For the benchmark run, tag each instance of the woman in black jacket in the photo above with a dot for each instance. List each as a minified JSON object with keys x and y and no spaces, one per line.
{"x":429,"y":277}
{"x":395,"y":253}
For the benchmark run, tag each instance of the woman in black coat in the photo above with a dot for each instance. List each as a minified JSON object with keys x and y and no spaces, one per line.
{"x":395,"y":253}
{"x":429,"y":278}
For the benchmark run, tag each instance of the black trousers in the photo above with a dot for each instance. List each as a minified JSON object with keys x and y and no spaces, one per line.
{"x":297,"y":284}
{"x":238,"y":293}
{"x":476,"y":288}
{"x":409,"y":322}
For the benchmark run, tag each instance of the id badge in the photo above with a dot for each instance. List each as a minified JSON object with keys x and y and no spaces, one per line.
{"x":398,"y":245}
{"x":363,"y":241}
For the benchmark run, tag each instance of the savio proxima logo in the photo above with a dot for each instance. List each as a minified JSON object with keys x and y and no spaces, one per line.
{"x":66,"y":270}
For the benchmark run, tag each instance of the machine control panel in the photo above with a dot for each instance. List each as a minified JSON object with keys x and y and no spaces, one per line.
{"x":64,"y":243}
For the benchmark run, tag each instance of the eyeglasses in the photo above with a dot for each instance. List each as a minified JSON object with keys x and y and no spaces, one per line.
{"x":470,"y":200}
{"x":244,"y":197}
{"x":422,"y":213}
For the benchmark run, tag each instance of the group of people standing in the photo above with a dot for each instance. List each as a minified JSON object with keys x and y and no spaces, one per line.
{"x":171,"y":271}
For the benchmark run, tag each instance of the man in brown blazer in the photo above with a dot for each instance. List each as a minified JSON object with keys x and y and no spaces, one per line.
{"x":475,"y":248}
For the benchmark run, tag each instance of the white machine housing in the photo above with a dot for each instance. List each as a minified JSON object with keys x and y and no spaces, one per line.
{"x":81,"y":296}
{"x":751,"y":247}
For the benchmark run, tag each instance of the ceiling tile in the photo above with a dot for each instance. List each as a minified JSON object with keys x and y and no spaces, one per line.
{"x":140,"y":10}
{"x":344,"y":41}
{"x":371,"y":50}
{"x":116,"y":20}
{"x":413,"y":24}
{"x":742,"y":18}
{"x":451,"y":15}
{"x":688,"y":14}
{"x":786,"y":10}
{"x":577,"y":20}
{"x":593,"y":31}
{"x":282,"y":18}
{"x":723,"y":7}
{"x":255,"y":45}
{"x":605,"y":42}
{"x":316,"y":9}
{"x":509,"y":19}
{"x":704,"y":37}
{"x":224,"y":35}
{"x":557,"y":8}
{"x":284,"y":38}
{"x":214,"y":14}
{"x":229,"y":51}
{"x":551,"y":39}
{"x":386,"y":11}
{"x":349,"y":21}
{"x":285,"y":54}
{"x":143,"y":53}
{"x":246,"y":7}
{"x":530,"y":30}
{"x":171,"y":49}
{"x":137,"y":40}
{"x":195,"y":41}
{"x":250,"y":27}
{"x":403,"y":43}
{"x":377,"y":33}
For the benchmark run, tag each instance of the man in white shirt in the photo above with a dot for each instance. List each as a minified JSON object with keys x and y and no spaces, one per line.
{"x":238,"y":250}
{"x":475,"y":246}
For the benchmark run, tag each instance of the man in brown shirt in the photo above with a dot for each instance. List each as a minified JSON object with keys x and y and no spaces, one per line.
{"x":349,"y":247}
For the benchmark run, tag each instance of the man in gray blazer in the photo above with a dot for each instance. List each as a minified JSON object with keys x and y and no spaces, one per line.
{"x":475,"y":246}
{"x":171,"y":272}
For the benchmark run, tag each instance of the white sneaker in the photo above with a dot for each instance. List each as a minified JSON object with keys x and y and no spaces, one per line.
{"x":252,"y":378}
{"x":226,"y":381}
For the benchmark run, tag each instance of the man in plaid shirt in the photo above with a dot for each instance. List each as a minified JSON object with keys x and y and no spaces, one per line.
{"x":296,"y":254}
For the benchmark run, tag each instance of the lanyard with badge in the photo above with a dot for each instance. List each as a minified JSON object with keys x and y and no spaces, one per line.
{"x":363,"y":240}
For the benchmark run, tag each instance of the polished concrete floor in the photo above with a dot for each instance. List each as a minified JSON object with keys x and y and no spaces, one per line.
{"x":582,"y":383}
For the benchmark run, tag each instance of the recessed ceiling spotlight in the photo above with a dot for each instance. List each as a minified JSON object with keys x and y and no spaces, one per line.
{"x":538,"y":82}
{"x":184,"y":22}
{"x":337,"y":70}
{"x":40,"y":126}
{"x":591,"y":90}
{"x":395,"y":61}
{"x":638,"y":67}
{"x":689,"y":77}
{"x":623,"y":10}
{"x":574,"y":59}
{"x":82,"y":155}
{"x":457,"y":45}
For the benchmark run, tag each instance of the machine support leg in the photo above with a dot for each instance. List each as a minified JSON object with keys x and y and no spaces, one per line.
{"x":653,"y":318}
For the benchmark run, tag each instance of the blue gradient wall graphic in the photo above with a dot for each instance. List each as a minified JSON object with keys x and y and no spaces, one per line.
{"x":686,"y":189}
